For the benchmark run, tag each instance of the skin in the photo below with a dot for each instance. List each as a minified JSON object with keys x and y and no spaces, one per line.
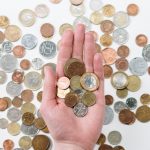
{"x":68,"y":131}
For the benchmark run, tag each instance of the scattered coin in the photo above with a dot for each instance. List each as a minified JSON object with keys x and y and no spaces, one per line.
{"x":131,"y":102}
{"x":9,"y":102}
{"x":25,"y":142}
{"x":141,"y":40}
{"x":102,"y":139}
{"x":25,"y":64}
{"x":114,"y":137}
{"x":3,"y":123}
{"x":122,"y":64}
{"x":63,"y":83}
{"x":18,"y":76}
{"x":122,"y":93}
{"x":39,"y":123}
{"x":62,"y":93}
{"x":95,"y":5}
{"x":28,"y":118}
{"x":105,"y":147}
{"x":19,"y":51}
{"x":106,"y":40}
{"x":2,"y":37}
{"x":8,"y":144}
{"x":119,"y":105}
{"x":107,"y":26}
{"x":13,"y":128}
{"x":7,"y":46}
{"x":145,"y":53}
{"x":4,"y":21}
{"x":39,"y":96}
{"x":27,"y":95}
{"x":17,"y":101}
{"x":109,"y":99}
{"x":132,"y":9}
{"x":41,"y":11}
{"x":28,"y":107}
{"x":118,"y":148}
{"x":123,"y":51}
{"x":3,"y":77}
{"x":108,"y":71}
{"x":96,"y":17}
{"x":65,"y":27}
{"x":108,"y":10}
{"x":145,"y":99}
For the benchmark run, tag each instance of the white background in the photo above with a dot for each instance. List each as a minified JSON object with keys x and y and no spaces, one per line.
{"x":135,"y":137}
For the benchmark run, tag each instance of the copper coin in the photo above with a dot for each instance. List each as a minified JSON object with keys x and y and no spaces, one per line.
{"x":17,"y":101}
{"x":119,"y":148}
{"x":122,"y":64}
{"x":145,"y":99}
{"x":8,"y":144}
{"x":8,"y":99}
{"x":25,"y":64}
{"x":18,"y":76}
{"x":132,"y":9}
{"x":3,"y":104}
{"x":63,"y":83}
{"x":105,"y":147}
{"x":2,"y":37}
{"x":98,"y":48}
{"x":141,"y":40}
{"x":123,"y":51}
{"x":71,"y":99}
{"x":18,"y":51}
{"x":28,"y":118}
{"x":109,"y":99}
{"x":101,"y":139}
{"x":108,"y":71}
{"x":107,"y":26}
{"x":47,"y":30}
{"x":39,"y":96}
{"x":4,"y":21}
{"x":39,"y":123}
{"x":106,"y":40}
{"x":27,"y":95}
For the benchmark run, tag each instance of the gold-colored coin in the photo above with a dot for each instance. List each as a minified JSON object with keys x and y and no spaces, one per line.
{"x":25,"y":142}
{"x":62,"y":93}
{"x":145,"y":99}
{"x":39,"y":96}
{"x":13,"y":128}
{"x":45,"y":130}
{"x":101,"y":139}
{"x":106,"y":40}
{"x":134,"y":83}
{"x":75,"y":82}
{"x":28,"y":118}
{"x":108,"y":10}
{"x":96,"y":17}
{"x":4,"y":21}
{"x":28,"y":107}
{"x":122,"y":93}
{"x":39,"y":123}
{"x":65,"y":27}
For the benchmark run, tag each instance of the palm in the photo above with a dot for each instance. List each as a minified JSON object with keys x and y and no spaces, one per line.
{"x":61,"y":121}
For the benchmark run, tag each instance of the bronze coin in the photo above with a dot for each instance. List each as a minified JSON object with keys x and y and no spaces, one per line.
{"x":39,"y":123}
{"x":2,"y":37}
{"x":107,"y":26}
{"x":3,"y":104}
{"x":123,"y":51}
{"x":122,"y":93}
{"x":8,"y":144}
{"x":145,"y":99}
{"x":28,"y":118}
{"x":109,"y":100}
{"x":39,"y":96}
{"x":47,"y":30}
{"x":27,"y":95}
{"x":141,"y":40}
{"x":105,"y":147}
{"x":108,"y":71}
{"x":45,"y":130}
{"x":132,"y":9}
{"x":98,"y":48}
{"x":18,"y":51}
{"x":25,"y":64}
{"x":17,"y":101}
{"x":71,"y":99}
{"x":106,"y":40}
{"x":122,"y":64}
{"x":8,"y":101}
{"x":101,"y":139}
{"x":18,"y":76}
{"x":119,"y":148}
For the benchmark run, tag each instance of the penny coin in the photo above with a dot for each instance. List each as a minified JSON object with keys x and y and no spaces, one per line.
{"x":47,"y":30}
{"x":118,"y":148}
{"x":122,"y":64}
{"x":132,"y":9}
{"x":131,"y":102}
{"x":28,"y":118}
{"x":17,"y":101}
{"x":102,"y":139}
{"x":41,"y":11}
{"x":141,"y":40}
{"x":90,"y":81}
{"x":19,"y":51}
{"x":39,"y":123}
{"x":109,"y":55}
{"x":106,"y":40}
{"x":25,"y":64}
{"x":39,"y":96}
{"x":27,"y":17}
{"x":13,"y":128}
{"x":7,"y":46}
{"x":134,"y":83}
{"x":108,"y":71}
{"x":119,"y":105}
{"x":109,"y":99}
{"x":55,"y":1}
{"x":3,"y":123}
{"x":105,"y":147}
{"x":62,"y":93}
{"x":108,"y":10}
{"x":107,"y":26}
{"x":3,"y":77}
{"x":75,"y":82}
{"x":80,"y":110}
{"x":8,"y":144}
{"x":76,"y":2}
{"x":4,"y":21}
{"x":28,"y":107}
{"x":114,"y":137}
{"x":37,"y":63}
{"x":8,"y":101}
{"x":27,"y":95}
{"x":64,"y":27}
{"x":98,"y":48}
{"x":119,"y":80}
{"x":63,"y":83}
{"x":13,"y":33}
{"x":18,"y":76}
{"x":89,"y":99}
{"x":25,"y":142}
{"x":96,"y":17}
{"x":145,"y":99}
{"x":2,"y":37}
{"x":96,"y":5}
{"x":123,"y":51}
{"x":122,"y":93}
{"x":71,"y":99}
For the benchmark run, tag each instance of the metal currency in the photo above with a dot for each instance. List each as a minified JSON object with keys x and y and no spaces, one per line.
{"x":25,"y":142}
{"x":145,"y":99}
{"x":37,"y":63}
{"x":107,"y":26}
{"x":114,"y":137}
{"x":131,"y":103}
{"x":27,"y":95}
{"x":80,"y":92}
{"x":119,"y":105}
{"x":123,"y":51}
{"x":119,"y":148}
{"x":75,"y":82}
{"x":102,"y":139}
{"x":96,"y":17}
{"x":3,"y":104}
{"x":28,"y":118}
{"x":19,"y":51}
{"x":63,"y":83}
{"x":62,"y":93}
{"x":25,"y":64}
{"x":146,"y":52}
{"x":18,"y":76}
{"x":39,"y":123}
{"x":122,"y":64}
{"x":108,"y":71}
{"x":4,"y":21}
{"x":109,"y":99}
{"x":108,"y":10}
{"x":8,"y":144}
{"x":3,"y":77}
{"x":76,"y":2}
{"x":41,"y":11}
{"x":7,"y":46}
{"x":64,"y":27}
{"x":132,"y":9}
{"x":106,"y":40}
{"x":95,"y":5}
{"x":122,"y":93}
{"x":28,"y":107}
{"x":105,"y":147}
{"x":71,"y":99}
{"x":39,"y":96}
{"x":3,"y":123}
{"x":141,"y":40}
{"x":13,"y":128}
{"x":17,"y":101}
{"x":8,"y":99}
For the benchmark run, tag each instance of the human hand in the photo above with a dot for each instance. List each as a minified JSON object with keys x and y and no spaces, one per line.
{"x":69,"y":131}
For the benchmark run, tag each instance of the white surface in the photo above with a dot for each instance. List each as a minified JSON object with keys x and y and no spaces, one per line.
{"x":135,"y":137}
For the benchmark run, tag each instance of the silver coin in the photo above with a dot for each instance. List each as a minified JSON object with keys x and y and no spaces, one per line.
{"x":82,"y":20}
{"x":121,"y":19}
{"x":131,"y":103}
{"x":3,"y":77}
{"x":138,"y":66}
{"x":37,"y":63}
{"x":119,"y":105}
{"x":29,"y":41}
{"x":42,"y":10}
{"x":8,"y":63}
{"x":80,"y":110}
{"x":14,"y":89}
{"x":33,"y":80}
{"x":114,"y":137}
{"x":109,"y":115}
{"x":29,"y":130}
{"x":3,"y":123}
{"x":14,"y":114}
{"x":146,"y":52}
{"x":120,"y":36}
{"x":95,"y":5}
{"x":7,"y":47}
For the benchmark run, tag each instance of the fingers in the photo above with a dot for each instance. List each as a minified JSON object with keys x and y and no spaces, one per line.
{"x":89,"y":51}
{"x":65,"y":51}
{"x":78,"y":42}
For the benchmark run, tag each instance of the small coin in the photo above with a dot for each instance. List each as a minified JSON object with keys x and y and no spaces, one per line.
{"x":131,"y":103}
{"x":75,"y":82}
{"x":65,"y":27}
{"x":106,"y":40}
{"x":28,"y":118}
{"x":107,"y":26}
{"x":145,"y":53}
{"x":27,"y":95}
{"x":18,"y":76}
{"x":7,"y":46}
{"x":13,"y":128}
{"x":3,"y":77}
{"x":4,"y":21}
{"x":25,"y":142}
{"x":76,"y":2}
{"x":141,"y":40}
{"x":27,"y":17}
{"x":19,"y":51}
{"x":45,"y":130}
{"x":62,"y":93}
{"x":8,"y":144}
{"x":29,"y":41}
{"x":28,"y":107}
{"x":114,"y":137}
{"x":80,"y":110}
{"x":108,"y":71}
{"x":39,"y":123}
{"x":25,"y":64}
{"x":55,"y":1}
{"x":119,"y":105}
{"x":41,"y":11}
{"x":96,"y":17}
{"x":109,"y":99}
{"x":102,"y":139}
{"x":122,"y":93}
{"x":145,"y":99}
{"x":71,"y":99}
{"x":105,"y":147}
{"x":8,"y":101}
{"x":119,"y":148}
{"x":132,"y":9}
{"x":3,"y":123}
{"x":122,"y":64}
{"x":39,"y":96}
{"x":63,"y":83}
{"x":96,"y":5}
{"x":2,"y":37}
{"x":123,"y":51}
{"x":108,"y":10}
{"x":17,"y":101}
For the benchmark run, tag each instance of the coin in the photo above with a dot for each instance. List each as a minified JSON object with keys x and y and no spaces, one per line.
{"x":7,"y":46}
{"x":114,"y":137}
{"x":119,"y":80}
{"x":39,"y":96}
{"x":145,"y":53}
{"x":65,"y":27}
{"x":33,"y":80}
{"x":4,"y":21}
{"x":62,"y":93}
{"x":96,"y":17}
{"x":3,"y":123}
{"x":71,"y":99}
{"x":19,"y":51}
{"x":141,"y":40}
{"x":80,"y":110}
{"x":41,"y":11}
{"x":8,"y":101}
{"x":132,"y":9}
{"x":2,"y":37}
{"x":122,"y":64}
{"x":25,"y":142}
{"x":80,"y":92}
{"x":108,"y":71}
{"x":13,"y":33}
{"x":29,"y":41}
{"x":120,"y":36}
{"x":17,"y":101}
{"x":123,"y":51}
{"x":119,"y":105}
{"x":122,"y":93}
{"x":109,"y":99}
{"x":14,"y":114}
{"x":105,"y":147}
{"x":106,"y":40}
{"x":89,"y":81}
{"x":55,"y":1}
{"x":28,"y":107}
{"x":13,"y":128}
{"x":45,"y":130}
{"x":118,"y":148}
{"x":109,"y":55}
{"x":27,"y":17}
{"x":108,"y":10}
{"x":131,"y":102}
{"x":76,"y":2}
{"x":8,"y":144}
{"x":18,"y":76}
{"x":102,"y":139}
{"x":107,"y":26}
{"x":75,"y":82}
{"x":145,"y":99}
{"x":39,"y":123}
{"x":28,"y":118}
{"x":27,"y":95}
{"x":3,"y":77}
{"x":25,"y":64}
{"x":63,"y":83}
{"x":95,"y":5}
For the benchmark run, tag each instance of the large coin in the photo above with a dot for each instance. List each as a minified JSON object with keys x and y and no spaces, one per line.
{"x":114,"y":137}
{"x":25,"y":142}
{"x":146,"y":52}
{"x":3,"y":77}
{"x":119,"y":105}
{"x":7,"y":46}
{"x":13,"y":128}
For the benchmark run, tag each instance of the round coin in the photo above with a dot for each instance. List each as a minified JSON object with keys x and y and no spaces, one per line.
{"x":122,"y":64}
{"x":55,"y":1}
{"x":107,"y":26}
{"x":3,"y":123}
{"x":96,"y":17}
{"x":41,"y":11}
{"x":119,"y":105}
{"x":96,"y":5}
{"x":63,"y":83}
{"x":123,"y":51}
{"x":17,"y":101}
{"x":64,"y":27}
{"x":145,"y":99}
{"x":122,"y":93}
{"x":76,"y":2}
{"x":39,"y":96}
{"x":13,"y":128}
{"x":7,"y":46}
{"x":3,"y":104}
{"x":108,"y":10}
{"x":114,"y":137}
{"x":28,"y":107}
{"x":18,"y":76}
{"x":146,"y":52}
{"x":108,"y":71}
{"x":27,"y":95}
{"x":71,"y":99}
{"x":118,"y":148}
{"x":62,"y":93}
{"x":141,"y":40}
{"x":19,"y":51}
{"x":75,"y":82}
{"x":109,"y":99}
{"x":8,"y":144}
{"x":106,"y":40}
{"x":28,"y":118}
{"x":131,"y":103}
{"x":39,"y":123}
{"x":105,"y":147}
{"x":102,"y":139}
{"x":4,"y":21}
{"x":37,"y":63}
{"x":3,"y":77}
{"x":132,"y":9}
{"x":25,"y":142}
{"x":25,"y":64}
